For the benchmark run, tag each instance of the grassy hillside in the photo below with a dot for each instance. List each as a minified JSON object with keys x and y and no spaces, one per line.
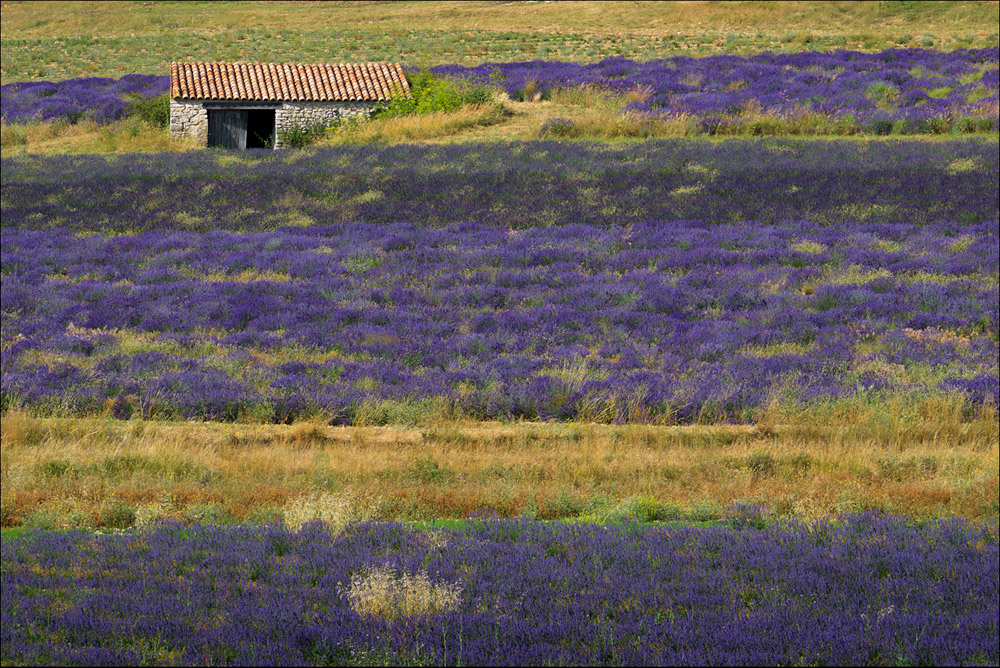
{"x":59,"y":40}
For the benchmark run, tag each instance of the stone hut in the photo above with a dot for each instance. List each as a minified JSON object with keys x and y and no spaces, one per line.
{"x":249,"y":105}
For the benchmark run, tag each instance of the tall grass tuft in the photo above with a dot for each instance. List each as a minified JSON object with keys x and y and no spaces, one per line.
{"x":130,"y":135}
{"x":334,"y":511}
{"x":612,"y":124}
{"x":415,"y":127}
{"x":384,"y":594}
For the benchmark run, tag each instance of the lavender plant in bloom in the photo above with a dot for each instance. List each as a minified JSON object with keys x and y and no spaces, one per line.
{"x":871,"y":590}
{"x":914,"y":90}
{"x":613,"y":319}
{"x":100,"y":99}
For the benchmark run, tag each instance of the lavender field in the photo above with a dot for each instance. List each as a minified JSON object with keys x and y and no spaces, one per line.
{"x":423,"y":287}
{"x":100,"y":99}
{"x":635,"y":334}
{"x":483,"y":380}
{"x":869,"y":590}
{"x":903,"y":91}
{"x":663,"y":282}
{"x":897,"y":91}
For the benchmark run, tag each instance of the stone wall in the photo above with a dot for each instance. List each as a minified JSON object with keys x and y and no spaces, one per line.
{"x":188,"y":119}
{"x":309,"y":114}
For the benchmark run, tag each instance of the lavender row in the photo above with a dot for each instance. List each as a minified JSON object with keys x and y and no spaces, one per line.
{"x":99,"y":99}
{"x":662,"y":321}
{"x":911,"y":88}
{"x":872,"y":590}
{"x":518,"y":185}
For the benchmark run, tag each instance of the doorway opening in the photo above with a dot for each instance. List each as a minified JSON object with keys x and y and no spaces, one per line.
{"x":260,"y":128}
{"x":241,"y":128}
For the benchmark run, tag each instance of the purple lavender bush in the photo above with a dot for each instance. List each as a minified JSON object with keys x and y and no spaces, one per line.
{"x":661,"y":282}
{"x":906,"y":91}
{"x":100,"y":99}
{"x":869,"y":590}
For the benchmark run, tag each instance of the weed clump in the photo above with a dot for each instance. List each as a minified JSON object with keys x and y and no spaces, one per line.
{"x":430,"y":94}
{"x":154,"y":110}
{"x":556,"y":127}
{"x":761,"y":464}
{"x":301,"y":136}
{"x":334,"y":511}
{"x":384,"y":594}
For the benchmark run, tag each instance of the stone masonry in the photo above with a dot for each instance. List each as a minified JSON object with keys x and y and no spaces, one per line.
{"x":189,"y":118}
{"x":310,"y":114}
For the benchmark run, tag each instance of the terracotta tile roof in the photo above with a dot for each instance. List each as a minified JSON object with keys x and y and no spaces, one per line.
{"x":272,"y":81}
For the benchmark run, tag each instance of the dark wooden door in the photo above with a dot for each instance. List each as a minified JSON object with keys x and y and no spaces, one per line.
{"x":227,"y":128}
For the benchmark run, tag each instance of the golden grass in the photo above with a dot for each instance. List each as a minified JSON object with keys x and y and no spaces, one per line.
{"x":921,"y":458}
{"x":418,"y":127}
{"x":611,"y":124}
{"x":857,"y":275}
{"x":593,"y":97}
{"x":127,"y":136}
{"x":963,"y":165}
{"x":59,"y":19}
{"x":812,"y":247}
{"x":245,"y":276}
{"x":389,"y":595}
{"x":334,"y":511}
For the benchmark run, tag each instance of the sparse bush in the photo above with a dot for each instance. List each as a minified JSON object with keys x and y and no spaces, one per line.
{"x":301,"y":136}
{"x":335,"y":511}
{"x":430,"y":93}
{"x":43,"y":518}
{"x":705,"y":510}
{"x":54,"y":468}
{"x":154,"y":110}
{"x":530,"y":91}
{"x":265,"y":515}
{"x":556,"y":127}
{"x":644,"y":509}
{"x":148,"y":514}
{"x":427,"y":470}
{"x":761,"y":463}
{"x":78,"y":519}
{"x":561,"y":505}
{"x":898,"y":468}
{"x":116,"y":515}
{"x":648,"y":509}
{"x":801,"y":462}
{"x":11,"y":136}
{"x":382,"y":593}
